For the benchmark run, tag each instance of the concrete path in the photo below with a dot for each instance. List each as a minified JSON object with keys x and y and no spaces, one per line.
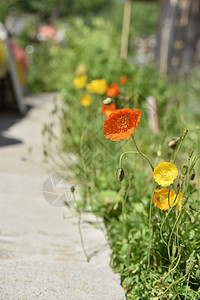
{"x":40,"y":252}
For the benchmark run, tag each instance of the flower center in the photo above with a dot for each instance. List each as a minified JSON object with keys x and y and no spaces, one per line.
{"x":123,"y":123}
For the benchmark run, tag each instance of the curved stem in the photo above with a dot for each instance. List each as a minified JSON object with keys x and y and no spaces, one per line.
{"x":175,"y":282}
{"x":152,"y":167}
{"x":176,"y":222}
{"x":163,"y":278}
{"x":79,"y":229}
{"x":127,"y":152}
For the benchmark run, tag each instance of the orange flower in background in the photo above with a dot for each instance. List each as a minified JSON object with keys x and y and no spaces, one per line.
{"x":113,"y":90}
{"x":164,"y":199}
{"x":108,"y":109}
{"x":123,"y":79}
{"x":121,"y":124}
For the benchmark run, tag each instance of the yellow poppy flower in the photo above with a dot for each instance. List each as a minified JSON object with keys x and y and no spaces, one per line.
{"x":80,"y":81}
{"x":164,"y":199}
{"x":86,"y":100}
{"x":165,"y":173}
{"x":97,"y":86}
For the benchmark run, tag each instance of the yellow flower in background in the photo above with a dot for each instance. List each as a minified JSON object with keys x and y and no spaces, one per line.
{"x":97,"y":86}
{"x":86,"y":100}
{"x":164,"y":199}
{"x":80,"y":81}
{"x":81,"y":70}
{"x":165,"y":173}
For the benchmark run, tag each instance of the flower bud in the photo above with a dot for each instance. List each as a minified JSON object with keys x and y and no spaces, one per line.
{"x":192,"y":176}
{"x":191,"y":152}
{"x":198,"y":272}
{"x":72,"y":189}
{"x":173,"y":143}
{"x":184,"y":200}
{"x":131,"y":176}
{"x":107,"y":101}
{"x":181,"y":248}
{"x":120,"y":174}
{"x":184,"y":134}
{"x":189,"y":266}
{"x":192,"y":219}
{"x":184,"y":170}
{"x":180,"y":182}
{"x":191,"y":206}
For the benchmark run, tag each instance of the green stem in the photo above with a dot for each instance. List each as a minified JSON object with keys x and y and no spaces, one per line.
{"x":149,"y":247}
{"x":79,"y":229}
{"x":175,"y":282}
{"x":166,"y":219}
{"x":127,"y":152}
{"x":152,"y":167}
{"x":182,"y":138}
{"x":124,"y":214}
{"x":176,"y":222}
{"x":165,"y":277}
{"x":194,"y":162}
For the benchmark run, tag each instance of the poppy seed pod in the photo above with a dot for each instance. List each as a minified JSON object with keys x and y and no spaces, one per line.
{"x":120,"y":174}
{"x":181,"y":248}
{"x":192,"y":176}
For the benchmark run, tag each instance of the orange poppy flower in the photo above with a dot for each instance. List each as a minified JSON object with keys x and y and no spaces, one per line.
{"x":108,"y":109}
{"x":123,"y":79}
{"x":113,"y":90}
{"x":121,"y":124}
{"x":164,"y":199}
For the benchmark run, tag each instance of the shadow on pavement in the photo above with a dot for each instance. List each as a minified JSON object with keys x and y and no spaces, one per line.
{"x":8,"y":119}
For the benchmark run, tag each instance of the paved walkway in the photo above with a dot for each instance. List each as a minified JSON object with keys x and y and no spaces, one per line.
{"x":40,"y":252}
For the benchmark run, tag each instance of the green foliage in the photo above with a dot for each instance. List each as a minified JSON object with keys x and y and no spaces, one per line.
{"x":47,"y":9}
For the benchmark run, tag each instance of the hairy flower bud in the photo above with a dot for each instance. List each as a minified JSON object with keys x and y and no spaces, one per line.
{"x":192,"y":219}
{"x":173,"y":143}
{"x":181,"y":248}
{"x":120,"y":174}
{"x":192,"y":176}
{"x":191,"y":152}
{"x":107,"y":101}
{"x":189,"y":266}
{"x":184,"y":170}
{"x":184,"y":200}
{"x":198,"y":272}
{"x":72,"y":189}
{"x":184,"y":134}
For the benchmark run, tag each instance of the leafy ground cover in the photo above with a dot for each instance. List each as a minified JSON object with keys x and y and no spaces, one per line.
{"x":152,"y":224}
